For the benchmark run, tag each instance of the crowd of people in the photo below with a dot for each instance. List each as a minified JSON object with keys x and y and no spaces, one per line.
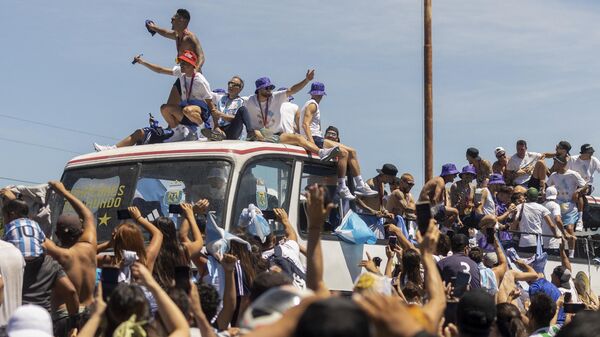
{"x":460,"y":275}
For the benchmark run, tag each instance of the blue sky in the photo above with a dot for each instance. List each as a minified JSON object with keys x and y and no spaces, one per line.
{"x":503,"y":70}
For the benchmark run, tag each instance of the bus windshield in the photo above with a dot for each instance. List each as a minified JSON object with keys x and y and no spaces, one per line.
{"x":151,"y":186}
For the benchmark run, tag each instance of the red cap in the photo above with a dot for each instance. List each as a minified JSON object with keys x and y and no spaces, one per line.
{"x":189,"y":57}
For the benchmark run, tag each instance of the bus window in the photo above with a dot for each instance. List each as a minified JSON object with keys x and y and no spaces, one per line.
{"x":326,"y":176}
{"x":264,"y":183}
{"x":161,"y":184}
{"x":104,"y":190}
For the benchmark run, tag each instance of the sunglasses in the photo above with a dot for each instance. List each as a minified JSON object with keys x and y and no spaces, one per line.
{"x":233,"y":84}
{"x":331,"y":134}
{"x":409,"y":183}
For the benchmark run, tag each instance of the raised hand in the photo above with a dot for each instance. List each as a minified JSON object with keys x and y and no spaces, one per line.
{"x":317,"y":212}
{"x":310,"y":74}
{"x":280,"y":214}
{"x":228,"y":262}
{"x":187,"y":209}
{"x":369,"y":264}
{"x":141,"y":273}
{"x":389,"y":315}
{"x":57,"y":186}
{"x":201,"y":206}
{"x":134,"y":212}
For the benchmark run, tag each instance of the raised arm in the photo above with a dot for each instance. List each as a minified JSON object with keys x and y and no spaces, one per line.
{"x":564,"y":259}
{"x":157,"y":237}
{"x":310,"y":74}
{"x":282,"y":216}
{"x":193,"y":247}
{"x":169,"y":34}
{"x":229,"y":296}
{"x":155,"y":68}
{"x":528,"y":274}
{"x":174,"y":320}
{"x":89,"y":223}
{"x":502,"y":266}
{"x":317,"y":213}
{"x":434,"y":309}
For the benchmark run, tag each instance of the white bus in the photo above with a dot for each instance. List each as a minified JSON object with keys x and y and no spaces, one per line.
{"x":267,"y":175}
{"x":152,"y":177}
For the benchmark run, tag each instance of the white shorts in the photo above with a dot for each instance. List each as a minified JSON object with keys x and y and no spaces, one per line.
{"x":183,"y":133}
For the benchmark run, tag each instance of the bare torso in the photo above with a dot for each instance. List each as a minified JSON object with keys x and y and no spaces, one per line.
{"x":428,"y":191}
{"x":81,"y":269}
{"x":190,"y":42}
{"x":397,"y":201}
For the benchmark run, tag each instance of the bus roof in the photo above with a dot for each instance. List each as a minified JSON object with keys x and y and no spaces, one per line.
{"x":185,"y":150}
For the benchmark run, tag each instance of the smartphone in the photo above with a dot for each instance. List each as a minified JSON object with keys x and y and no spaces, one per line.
{"x":392,"y":241}
{"x":460,"y":283}
{"x":268,"y":214}
{"x":450,"y":312}
{"x":423,"y":216}
{"x":573,"y":308}
{"x":175,"y":209}
{"x":110,"y":279}
{"x":182,"y":278}
{"x":123,"y":214}
{"x":490,"y":235}
{"x":377,"y":260}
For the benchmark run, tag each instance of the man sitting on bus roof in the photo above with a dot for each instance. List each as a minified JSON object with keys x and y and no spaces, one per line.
{"x":183,"y":119}
{"x":229,"y":115}
{"x":263,"y":116}
{"x":309,"y":125}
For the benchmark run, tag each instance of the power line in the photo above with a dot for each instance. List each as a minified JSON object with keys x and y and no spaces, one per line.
{"x":57,"y":127}
{"x":19,"y":180}
{"x":38,"y":145}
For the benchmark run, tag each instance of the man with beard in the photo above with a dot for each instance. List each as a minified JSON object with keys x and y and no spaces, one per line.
{"x":401,"y":202}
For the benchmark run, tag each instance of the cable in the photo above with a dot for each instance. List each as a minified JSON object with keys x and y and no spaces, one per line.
{"x":57,"y":127}
{"x":19,"y":180}
{"x":38,"y":145}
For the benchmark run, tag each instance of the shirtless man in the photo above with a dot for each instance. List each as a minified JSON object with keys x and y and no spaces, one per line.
{"x":499,"y":166}
{"x":401,"y":202}
{"x":435,"y":192}
{"x":482,"y":166}
{"x":184,"y":40}
{"x":77,"y":250}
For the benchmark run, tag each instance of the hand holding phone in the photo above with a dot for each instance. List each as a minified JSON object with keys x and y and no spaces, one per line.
{"x":392,"y":241}
{"x":175,"y":209}
{"x":423,"y":216}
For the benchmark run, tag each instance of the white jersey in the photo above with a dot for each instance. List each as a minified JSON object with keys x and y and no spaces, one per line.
{"x":288,"y":116}
{"x":315,"y":123}
{"x":585,"y":168}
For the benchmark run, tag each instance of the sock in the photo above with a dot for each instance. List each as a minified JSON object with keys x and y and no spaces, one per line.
{"x":341,"y":182}
{"x":358,"y":181}
{"x":580,"y":216}
{"x":571,"y":253}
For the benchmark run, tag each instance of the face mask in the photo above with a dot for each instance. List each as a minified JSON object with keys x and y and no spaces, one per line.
{"x":216,"y":192}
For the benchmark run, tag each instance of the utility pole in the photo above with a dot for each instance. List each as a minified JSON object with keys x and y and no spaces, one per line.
{"x":428,"y":91}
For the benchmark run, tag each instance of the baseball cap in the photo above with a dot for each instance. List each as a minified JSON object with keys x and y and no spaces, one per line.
{"x":476,"y":312}
{"x":532,"y":194}
{"x":30,"y":321}
{"x":271,"y":306}
{"x":388,"y":169}
{"x":499,"y":151}
{"x":563,"y":144}
{"x":551,"y":193}
{"x":473,"y":153}
{"x":189,"y":57}
{"x":564,"y":276}
{"x":69,"y":224}
{"x":586,"y":148}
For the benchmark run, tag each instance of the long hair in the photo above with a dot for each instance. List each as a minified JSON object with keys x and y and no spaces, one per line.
{"x":509,"y":322}
{"x":251,"y":262}
{"x":171,"y":255}
{"x":411,"y":267}
{"x":129,"y":237}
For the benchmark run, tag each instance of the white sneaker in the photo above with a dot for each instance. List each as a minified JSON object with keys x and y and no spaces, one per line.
{"x":327,"y":154}
{"x":99,"y":147}
{"x":579,"y":225}
{"x":345,"y":193}
{"x":365,"y":191}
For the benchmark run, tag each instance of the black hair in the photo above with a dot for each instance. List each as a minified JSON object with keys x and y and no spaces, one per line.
{"x":184,"y":13}
{"x":171,"y":254}
{"x":413,"y":292}
{"x":584,"y":324}
{"x":265,"y":281}
{"x":459,"y":242}
{"x":16,"y":209}
{"x":476,"y":254}
{"x":443,"y":246}
{"x":521,"y":142}
{"x":509,"y":322}
{"x":411,"y":267}
{"x":124,"y":301}
{"x":209,"y":300}
{"x":541,"y":309}
{"x":181,"y":299}
{"x":333,"y":317}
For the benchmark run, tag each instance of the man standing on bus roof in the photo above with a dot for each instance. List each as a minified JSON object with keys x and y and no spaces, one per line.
{"x":184,"y":118}
{"x":263,"y":116}
{"x":310,"y":128}
{"x":184,"y":40}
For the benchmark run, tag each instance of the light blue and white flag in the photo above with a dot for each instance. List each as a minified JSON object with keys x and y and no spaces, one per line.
{"x":256,"y":224}
{"x":218,"y":240}
{"x":354,"y":230}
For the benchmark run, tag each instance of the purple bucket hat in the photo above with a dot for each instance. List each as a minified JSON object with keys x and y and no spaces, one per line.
{"x":263,"y":83}
{"x":290,"y":98}
{"x":496,"y":179}
{"x":448,"y":170}
{"x":469,"y":169}
{"x":317,"y":88}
